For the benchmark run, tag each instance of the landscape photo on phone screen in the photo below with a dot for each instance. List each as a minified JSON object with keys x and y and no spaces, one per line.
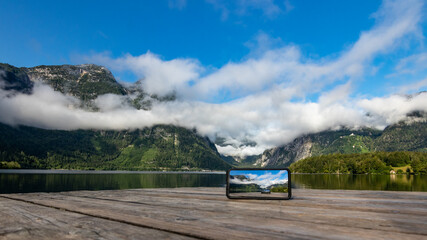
{"x":258,"y":183}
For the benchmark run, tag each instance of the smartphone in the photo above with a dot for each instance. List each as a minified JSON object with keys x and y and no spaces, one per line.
{"x":259,"y":183}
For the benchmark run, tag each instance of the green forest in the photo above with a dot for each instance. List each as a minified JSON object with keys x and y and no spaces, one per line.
{"x":161,"y":147}
{"x":363,"y":163}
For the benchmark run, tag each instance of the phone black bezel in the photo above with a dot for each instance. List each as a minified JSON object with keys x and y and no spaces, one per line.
{"x":259,"y":198}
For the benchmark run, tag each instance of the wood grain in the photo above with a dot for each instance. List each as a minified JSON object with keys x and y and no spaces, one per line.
{"x":206,"y":213}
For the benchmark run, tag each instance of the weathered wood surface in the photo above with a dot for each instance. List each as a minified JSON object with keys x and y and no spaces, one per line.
{"x":207,"y":214}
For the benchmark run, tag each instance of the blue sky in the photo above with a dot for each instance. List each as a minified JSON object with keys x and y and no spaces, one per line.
{"x":248,"y":71}
{"x":212,"y":32}
{"x":51,"y":32}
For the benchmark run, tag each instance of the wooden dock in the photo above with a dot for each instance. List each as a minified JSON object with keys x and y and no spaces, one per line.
{"x":205,"y":213}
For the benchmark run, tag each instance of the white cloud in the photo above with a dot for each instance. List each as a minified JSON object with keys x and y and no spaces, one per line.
{"x":160,"y":76}
{"x":46,"y":108}
{"x":111,"y":102}
{"x":283,"y":67}
{"x":237,"y":151}
{"x":412,"y":64}
{"x":413,"y":87}
{"x":258,"y":118}
{"x":339,"y":93}
{"x":391,"y":109}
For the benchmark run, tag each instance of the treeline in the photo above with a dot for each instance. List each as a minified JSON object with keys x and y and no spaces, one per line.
{"x":375,"y":162}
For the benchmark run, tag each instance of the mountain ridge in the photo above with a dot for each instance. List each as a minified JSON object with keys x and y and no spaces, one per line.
{"x":86,"y":82}
{"x":409,"y":135}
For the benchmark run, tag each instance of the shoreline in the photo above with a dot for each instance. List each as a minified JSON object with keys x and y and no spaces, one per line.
{"x":67,"y":171}
{"x":75,"y":171}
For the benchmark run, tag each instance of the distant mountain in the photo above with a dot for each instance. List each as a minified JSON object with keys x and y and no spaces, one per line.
{"x":408,"y":135}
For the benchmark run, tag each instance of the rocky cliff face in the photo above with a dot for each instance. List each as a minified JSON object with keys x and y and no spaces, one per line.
{"x":85,"y":82}
{"x":407,"y":135}
{"x":284,"y":155}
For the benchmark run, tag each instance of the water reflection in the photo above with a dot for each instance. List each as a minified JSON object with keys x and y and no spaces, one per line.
{"x":361,"y":182}
{"x":10,"y":183}
{"x":45,"y":181}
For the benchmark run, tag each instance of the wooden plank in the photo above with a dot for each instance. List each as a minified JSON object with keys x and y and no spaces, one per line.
{"x":251,"y":207}
{"x":292,"y":213}
{"x":21,"y":220}
{"x":207,"y":213}
{"x":415,"y":207}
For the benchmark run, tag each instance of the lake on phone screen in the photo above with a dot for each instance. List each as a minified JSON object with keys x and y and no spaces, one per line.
{"x":14,"y":181}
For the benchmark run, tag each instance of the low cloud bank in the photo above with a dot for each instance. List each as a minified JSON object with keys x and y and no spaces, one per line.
{"x":258,"y":119}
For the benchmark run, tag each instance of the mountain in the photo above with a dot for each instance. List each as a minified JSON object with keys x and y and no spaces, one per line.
{"x":161,"y":147}
{"x":153,"y":148}
{"x":408,"y":135}
{"x":242,"y":162}
{"x":85,"y":82}
{"x":16,"y":79}
{"x":364,"y":163}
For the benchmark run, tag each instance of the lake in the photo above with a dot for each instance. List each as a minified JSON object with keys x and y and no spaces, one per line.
{"x":13,"y":181}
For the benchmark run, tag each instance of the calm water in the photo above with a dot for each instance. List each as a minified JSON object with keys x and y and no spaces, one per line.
{"x":12,"y":181}
{"x":361,"y":182}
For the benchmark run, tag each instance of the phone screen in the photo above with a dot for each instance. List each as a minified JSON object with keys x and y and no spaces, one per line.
{"x":259,"y":184}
